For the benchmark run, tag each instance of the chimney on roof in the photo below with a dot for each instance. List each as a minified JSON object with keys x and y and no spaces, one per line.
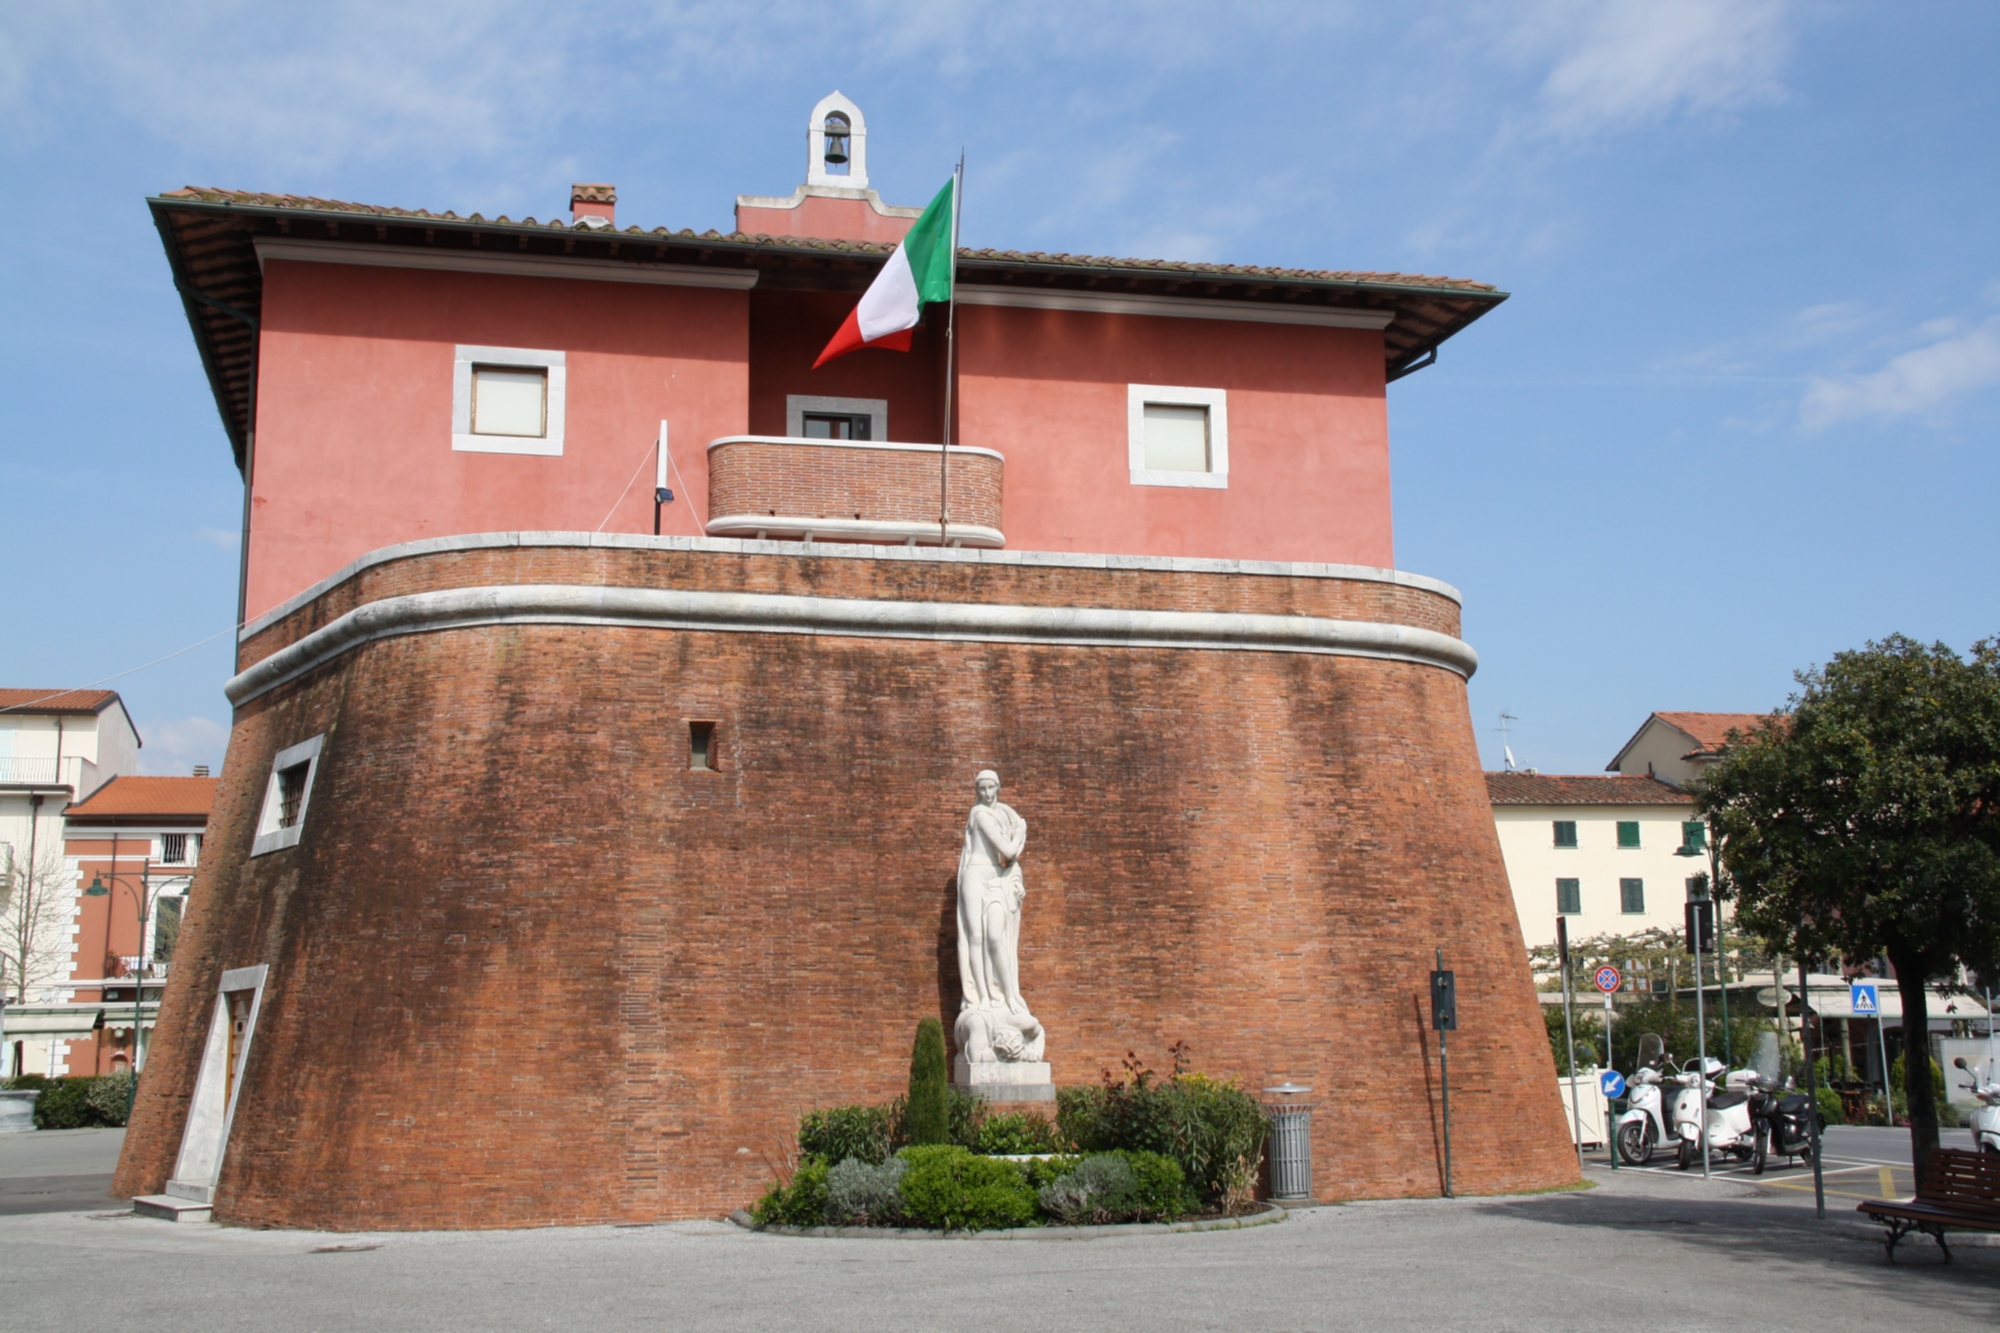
{"x":593,"y":206}
{"x":201,"y":770}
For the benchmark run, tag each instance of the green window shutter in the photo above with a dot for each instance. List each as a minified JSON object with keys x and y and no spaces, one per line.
{"x":1565,"y":832}
{"x":1632,"y":895}
{"x":1694,"y":837}
{"x":1628,"y":833}
{"x":1569,"y":897}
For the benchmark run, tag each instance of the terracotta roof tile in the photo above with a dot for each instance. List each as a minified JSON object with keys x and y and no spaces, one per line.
{"x":57,"y":701}
{"x":1580,"y":789}
{"x":182,"y":798}
{"x":1711,"y":730}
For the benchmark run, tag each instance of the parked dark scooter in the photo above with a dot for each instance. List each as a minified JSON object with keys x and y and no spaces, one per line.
{"x":1783,"y":1117}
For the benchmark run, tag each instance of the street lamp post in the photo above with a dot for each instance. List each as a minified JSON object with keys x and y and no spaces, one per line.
{"x":140,"y":896}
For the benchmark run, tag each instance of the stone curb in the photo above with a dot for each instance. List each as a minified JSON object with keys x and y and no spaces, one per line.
{"x":1269,"y":1214}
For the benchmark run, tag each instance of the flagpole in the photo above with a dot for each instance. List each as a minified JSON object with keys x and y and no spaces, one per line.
{"x":950,"y":349}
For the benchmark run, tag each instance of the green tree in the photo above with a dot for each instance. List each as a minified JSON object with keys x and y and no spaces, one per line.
{"x":1867,"y":824}
{"x":927,"y":1116}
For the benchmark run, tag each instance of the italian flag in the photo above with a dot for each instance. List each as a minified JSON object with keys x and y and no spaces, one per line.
{"x":917,"y":274}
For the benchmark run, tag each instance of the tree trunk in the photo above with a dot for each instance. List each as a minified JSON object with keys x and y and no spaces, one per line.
{"x":1919,"y":1093}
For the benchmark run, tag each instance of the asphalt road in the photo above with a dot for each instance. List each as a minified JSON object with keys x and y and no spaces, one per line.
{"x":1862,"y":1162}
{"x":58,"y":1171}
{"x":1665,"y":1250}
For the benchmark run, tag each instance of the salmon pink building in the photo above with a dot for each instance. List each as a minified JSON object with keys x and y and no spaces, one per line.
{"x":612,"y":685}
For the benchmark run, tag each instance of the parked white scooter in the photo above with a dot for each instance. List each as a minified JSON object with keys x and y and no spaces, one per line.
{"x":1731,"y":1127}
{"x":1986,"y":1120}
{"x":1643,"y":1126}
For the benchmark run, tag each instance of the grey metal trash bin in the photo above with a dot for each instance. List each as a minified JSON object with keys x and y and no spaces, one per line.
{"x":1290,"y":1143}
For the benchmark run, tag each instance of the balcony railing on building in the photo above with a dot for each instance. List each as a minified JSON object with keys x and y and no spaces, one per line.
{"x":71,"y":771}
{"x":785,"y":487}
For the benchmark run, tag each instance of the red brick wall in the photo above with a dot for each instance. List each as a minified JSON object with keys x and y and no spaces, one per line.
{"x":838,"y":481}
{"x":528,"y":968}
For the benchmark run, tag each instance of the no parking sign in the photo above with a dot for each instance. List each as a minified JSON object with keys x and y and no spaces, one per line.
{"x":1608,"y":979}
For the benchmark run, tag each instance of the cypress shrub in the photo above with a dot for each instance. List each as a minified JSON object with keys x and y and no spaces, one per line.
{"x":927,"y":1113}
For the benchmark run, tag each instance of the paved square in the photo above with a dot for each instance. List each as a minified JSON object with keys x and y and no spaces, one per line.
{"x":1658,"y":1250}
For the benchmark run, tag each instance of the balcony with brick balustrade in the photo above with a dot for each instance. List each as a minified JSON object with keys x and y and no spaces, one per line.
{"x":772,"y":486}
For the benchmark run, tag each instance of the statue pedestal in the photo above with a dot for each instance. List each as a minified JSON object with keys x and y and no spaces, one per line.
{"x":1005,"y":1080}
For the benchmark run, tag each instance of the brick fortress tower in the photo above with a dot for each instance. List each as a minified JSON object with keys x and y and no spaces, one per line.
{"x":558,"y":866}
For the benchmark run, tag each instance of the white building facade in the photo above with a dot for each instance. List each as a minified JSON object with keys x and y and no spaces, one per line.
{"x":1608,"y":853}
{"x":57,"y":747}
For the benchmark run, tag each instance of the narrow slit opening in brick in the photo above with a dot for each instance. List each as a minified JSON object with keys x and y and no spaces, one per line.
{"x":701,"y":746}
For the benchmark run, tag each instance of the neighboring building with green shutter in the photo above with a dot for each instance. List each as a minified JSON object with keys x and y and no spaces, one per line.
{"x":1601,"y":850}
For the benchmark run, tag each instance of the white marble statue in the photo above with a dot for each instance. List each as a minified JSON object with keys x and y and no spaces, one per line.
{"x":994,"y":1025}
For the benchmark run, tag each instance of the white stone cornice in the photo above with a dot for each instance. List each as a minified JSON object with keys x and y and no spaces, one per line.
{"x":771,"y":613}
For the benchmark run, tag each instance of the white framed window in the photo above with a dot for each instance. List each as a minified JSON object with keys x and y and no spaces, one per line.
{"x":508,"y":400}
{"x":1178,"y":436}
{"x":287,"y":796}
{"x":809,"y":416}
{"x":175,"y":850}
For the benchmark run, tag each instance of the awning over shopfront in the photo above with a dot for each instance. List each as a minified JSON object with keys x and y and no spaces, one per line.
{"x":54,"y":1020}
{"x":1832,"y":997}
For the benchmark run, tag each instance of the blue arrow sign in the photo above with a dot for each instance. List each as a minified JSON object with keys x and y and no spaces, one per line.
{"x":1612,"y":1082}
{"x":1861,"y":998}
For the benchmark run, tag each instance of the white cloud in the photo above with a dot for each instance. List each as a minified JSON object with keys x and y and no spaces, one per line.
{"x":1918,"y":381}
{"x":1632,"y":61}
{"x":223,"y":539}
{"x":172,"y":749}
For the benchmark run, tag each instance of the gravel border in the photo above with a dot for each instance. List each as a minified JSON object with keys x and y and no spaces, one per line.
{"x":1269,"y":1214}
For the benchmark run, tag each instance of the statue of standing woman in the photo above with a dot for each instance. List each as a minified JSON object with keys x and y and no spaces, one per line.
{"x":994,"y":1022}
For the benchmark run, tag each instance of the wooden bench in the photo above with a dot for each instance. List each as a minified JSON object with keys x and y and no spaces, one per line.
{"x":1959,"y":1190}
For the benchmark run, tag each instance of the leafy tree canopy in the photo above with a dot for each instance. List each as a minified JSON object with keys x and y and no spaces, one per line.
{"x":1866,"y":822}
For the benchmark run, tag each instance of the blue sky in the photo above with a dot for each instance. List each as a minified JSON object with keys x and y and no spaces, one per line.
{"x":1739,"y":414}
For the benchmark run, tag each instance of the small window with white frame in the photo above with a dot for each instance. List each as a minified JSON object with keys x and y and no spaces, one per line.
{"x":508,"y":400}
{"x":174,"y":850}
{"x":1178,"y":436}
{"x":287,"y":797}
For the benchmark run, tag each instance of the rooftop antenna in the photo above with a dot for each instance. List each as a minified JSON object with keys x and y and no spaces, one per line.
{"x":1506,"y":750}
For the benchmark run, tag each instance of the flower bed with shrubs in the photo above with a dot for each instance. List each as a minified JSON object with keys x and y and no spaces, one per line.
{"x":1140,"y":1148}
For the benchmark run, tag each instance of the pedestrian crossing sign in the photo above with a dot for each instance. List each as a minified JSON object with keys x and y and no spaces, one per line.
{"x":1862,"y":999}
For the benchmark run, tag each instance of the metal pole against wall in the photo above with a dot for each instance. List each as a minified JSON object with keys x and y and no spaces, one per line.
{"x":1569,"y":1039}
{"x":1444,"y":1017}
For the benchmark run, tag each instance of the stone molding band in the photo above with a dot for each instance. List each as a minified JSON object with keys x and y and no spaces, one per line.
{"x":619,"y":541}
{"x":776,"y":613}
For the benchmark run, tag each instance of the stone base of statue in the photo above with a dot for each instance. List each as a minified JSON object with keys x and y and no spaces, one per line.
{"x":1000,"y":1057}
{"x":1004,"y":1080}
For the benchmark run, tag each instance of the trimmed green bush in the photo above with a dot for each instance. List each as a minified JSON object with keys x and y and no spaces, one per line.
{"x":949,"y":1188}
{"x":1014,"y":1132}
{"x":64,"y":1104}
{"x":861,"y":1193}
{"x":79,"y":1102}
{"x":843,"y":1133}
{"x":1211,"y":1127}
{"x":26,"y":1082}
{"x":799,"y":1204}
{"x":1118,"y":1187}
{"x":927,"y":1112}
{"x":1830,"y":1108}
{"x":1041,"y":1172}
{"x":110,"y":1097}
